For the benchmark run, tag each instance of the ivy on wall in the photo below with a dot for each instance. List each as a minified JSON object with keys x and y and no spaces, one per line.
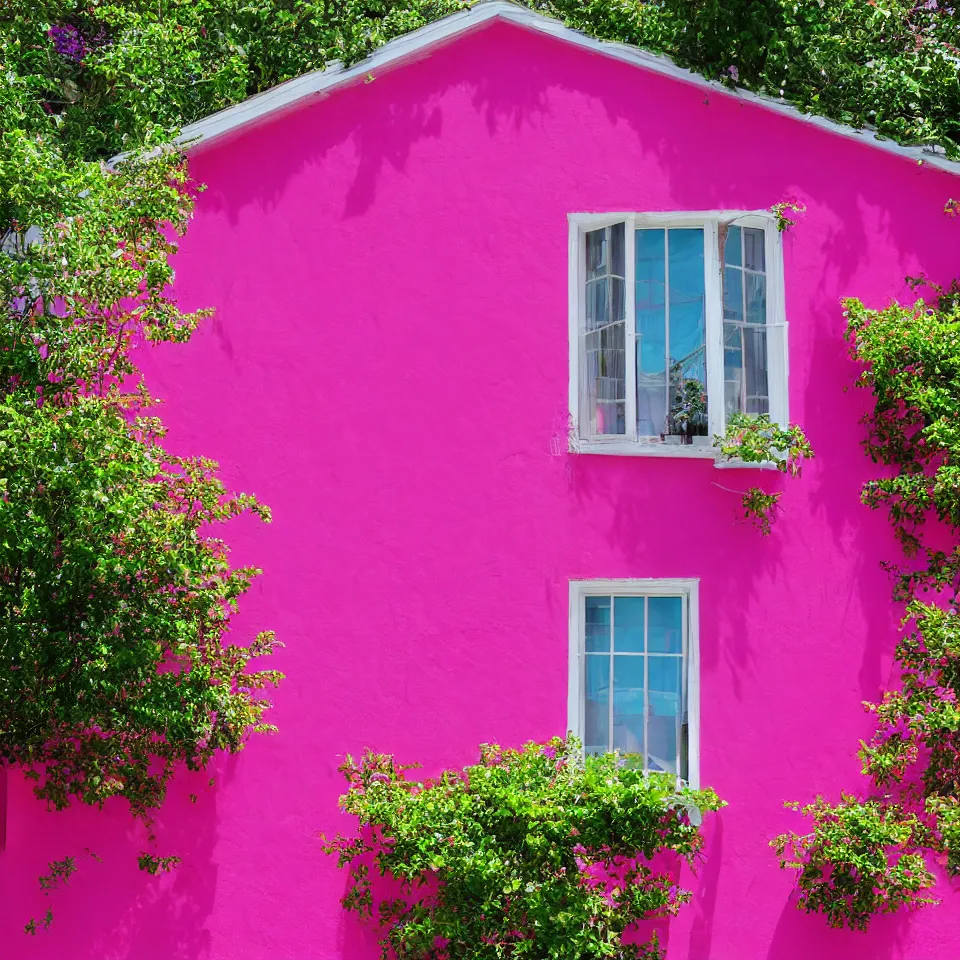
{"x":875,"y":853}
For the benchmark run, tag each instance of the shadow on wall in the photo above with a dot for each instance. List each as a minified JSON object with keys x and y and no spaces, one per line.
{"x":136,"y":915}
{"x":885,"y":938}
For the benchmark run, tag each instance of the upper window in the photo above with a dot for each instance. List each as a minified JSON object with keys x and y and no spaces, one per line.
{"x":677,"y":322}
{"x":633,"y":676}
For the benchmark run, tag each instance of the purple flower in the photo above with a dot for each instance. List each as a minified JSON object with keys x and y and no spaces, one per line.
{"x":68,"y":42}
{"x":734,"y":73}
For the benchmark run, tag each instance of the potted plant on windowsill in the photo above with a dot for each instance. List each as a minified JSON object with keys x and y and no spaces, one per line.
{"x":688,"y":412}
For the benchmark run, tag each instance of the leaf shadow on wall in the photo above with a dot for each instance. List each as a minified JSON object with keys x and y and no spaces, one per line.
{"x":803,"y":935}
{"x":111,"y":910}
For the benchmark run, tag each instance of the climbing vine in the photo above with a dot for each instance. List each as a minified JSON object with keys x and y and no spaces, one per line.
{"x":754,"y":439}
{"x":875,"y":853}
{"x":116,"y":595}
{"x":533,"y":852}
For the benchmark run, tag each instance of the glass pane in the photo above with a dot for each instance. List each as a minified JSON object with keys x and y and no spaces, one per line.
{"x":753,"y":250}
{"x":598,"y":303}
{"x":732,"y":294}
{"x":618,"y":250}
{"x":605,"y":380}
{"x":628,"y":624}
{"x":688,"y":367}
{"x":687,"y":329}
{"x":618,"y":298}
{"x":596,"y":715}
{"x":597,"y":253}
{"x":731,"y":248}
{"x":628,"y":704}
{"x":597,"y":632}
{"x":665,"y":625}
{"x":755,"y":364}
{"x":756,"y":298}
{"x":732,"y":369}
{"x":651,"y":332}
{"x":666,"y":712}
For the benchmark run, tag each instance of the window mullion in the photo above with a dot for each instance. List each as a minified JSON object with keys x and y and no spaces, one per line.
{"x":630,"y":340}
{"x":714,"y":332}
{"x":646,"y":677}
{"x":666,"y":323}
{"x":612,"y":663}
{"x":777,"y":357}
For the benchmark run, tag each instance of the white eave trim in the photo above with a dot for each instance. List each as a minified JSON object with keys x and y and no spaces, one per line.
{"x":422,"y":41}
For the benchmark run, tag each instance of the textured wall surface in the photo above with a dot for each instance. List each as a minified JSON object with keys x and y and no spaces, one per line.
{"x":387,"y":368}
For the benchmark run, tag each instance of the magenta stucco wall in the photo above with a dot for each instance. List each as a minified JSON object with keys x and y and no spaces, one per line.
{"x":388,"y":370}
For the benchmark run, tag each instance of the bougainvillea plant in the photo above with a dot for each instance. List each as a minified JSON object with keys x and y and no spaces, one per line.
{"x":116,"y":596}
{"x":875,"y":853}
{"x":781,"y":212}
{"x":754,"y":439}
{"x":531,"y":852}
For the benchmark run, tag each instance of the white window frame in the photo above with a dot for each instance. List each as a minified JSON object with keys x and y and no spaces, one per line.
{"x":778,"y":359}
{"x":689,"y":589}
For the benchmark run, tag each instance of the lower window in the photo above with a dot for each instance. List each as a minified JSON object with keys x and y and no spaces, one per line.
{"x":633,"y":671}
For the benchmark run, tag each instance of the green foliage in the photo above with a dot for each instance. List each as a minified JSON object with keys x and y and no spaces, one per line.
{"x":872,"y":854}
{"x":759,"y":508}
{"x":115,"y":596}
{"x":782,"y":211}
{"x":530,"y":852}
{"x":862,"y":858}
{"x":753,"y":438}
{"x":118,"y":73}
{"x":688,"y":407}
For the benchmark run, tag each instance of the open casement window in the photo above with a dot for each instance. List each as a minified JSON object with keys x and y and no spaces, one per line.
{"x":676,"y":323}
{"x":633,"y":672}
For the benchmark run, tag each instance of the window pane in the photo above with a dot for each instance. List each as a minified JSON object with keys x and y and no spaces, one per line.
{"x":605,"y":376}
{"x":628,"y":624}
{"x":755,"y":357}
{"x":687,"y":323}
{"x":731,"y":248}
{"x":753,"y":250}
{"x":651,"y":332}
{"x":628,"y":704}
{"x":663,"y":724}
{"x":597,"y":253}
{"x":756,"y":298}
{"x":618,"y":298}
{"x":618,"y":250}
{"x":596,"y":733}
{"x":733,"y":294}
{"x":597,"y":624}
{"x":598,"y":303}
{"x":665,"y":625}
{"x":687,"y":329}
{"x":732,"y":368}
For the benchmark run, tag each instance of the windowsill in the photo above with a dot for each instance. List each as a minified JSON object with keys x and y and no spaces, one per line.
{"x":745,"y":465}
{"x":634,"y":448}
{"x":678,"y":451}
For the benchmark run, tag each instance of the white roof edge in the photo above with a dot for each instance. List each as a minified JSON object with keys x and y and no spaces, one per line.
{"x":422,"y":40}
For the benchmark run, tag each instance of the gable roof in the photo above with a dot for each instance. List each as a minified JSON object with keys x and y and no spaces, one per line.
{"x":420,"y":42}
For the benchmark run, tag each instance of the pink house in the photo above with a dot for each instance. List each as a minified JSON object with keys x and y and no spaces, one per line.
{"x":456,"y":289}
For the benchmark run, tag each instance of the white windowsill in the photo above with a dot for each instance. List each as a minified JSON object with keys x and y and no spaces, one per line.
{"x":633,"y":448}
{"x":678,"y":451}
{"x":744,"y":465}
